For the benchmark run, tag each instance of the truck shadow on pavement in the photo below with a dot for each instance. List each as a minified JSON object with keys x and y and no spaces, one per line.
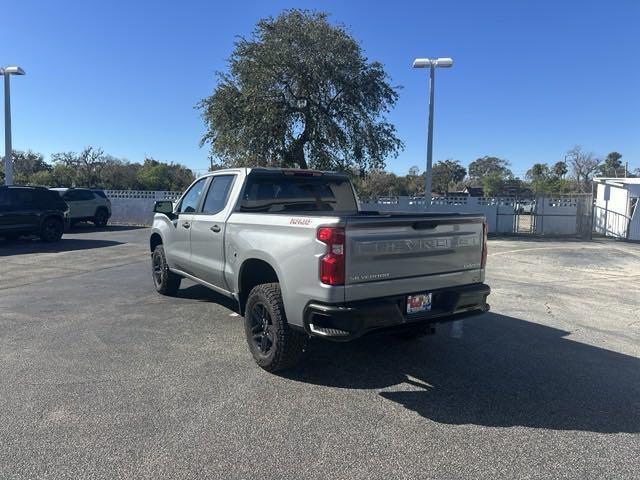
{"x":23,"y":246}
{"x":500,"y":372}
{"x":204,"y":294}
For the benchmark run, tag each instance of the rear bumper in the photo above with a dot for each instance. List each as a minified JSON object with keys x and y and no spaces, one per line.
{"x":343,"y":322}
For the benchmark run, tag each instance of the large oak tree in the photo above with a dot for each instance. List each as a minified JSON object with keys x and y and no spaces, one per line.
{"x":300,"y":93}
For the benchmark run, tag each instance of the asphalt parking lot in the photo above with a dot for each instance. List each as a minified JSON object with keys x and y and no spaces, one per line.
{"x":100,"y":377}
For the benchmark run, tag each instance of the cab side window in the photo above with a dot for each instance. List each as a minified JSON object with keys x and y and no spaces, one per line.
{"x":191,"y":199}
{"x":218,"y":193}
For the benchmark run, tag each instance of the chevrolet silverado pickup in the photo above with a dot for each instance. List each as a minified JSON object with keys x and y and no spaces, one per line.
{"x":292,"y":248}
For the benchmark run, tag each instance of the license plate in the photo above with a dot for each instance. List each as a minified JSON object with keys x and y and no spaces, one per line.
{"x":418,"y":303}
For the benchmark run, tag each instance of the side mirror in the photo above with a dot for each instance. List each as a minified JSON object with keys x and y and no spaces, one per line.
{"x":163,"y":206}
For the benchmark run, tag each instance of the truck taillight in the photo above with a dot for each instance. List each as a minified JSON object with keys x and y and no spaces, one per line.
{"x":332,"y":262}
{"x":485,"y":229}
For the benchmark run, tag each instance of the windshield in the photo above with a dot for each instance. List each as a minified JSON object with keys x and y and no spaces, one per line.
{"x":284,"y":194}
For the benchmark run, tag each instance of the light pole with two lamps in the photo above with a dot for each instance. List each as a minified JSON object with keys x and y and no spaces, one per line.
{"x":432,"y":64}
{"x":8,"y":160}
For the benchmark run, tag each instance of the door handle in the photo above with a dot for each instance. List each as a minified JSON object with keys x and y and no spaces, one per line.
{"x":186,"y":224}
{"x":215,"y":228}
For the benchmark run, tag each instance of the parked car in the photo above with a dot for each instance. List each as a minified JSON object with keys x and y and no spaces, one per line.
{"x":31,"y":211}
{"x":86,"y":205}
{"x":292,"y":249}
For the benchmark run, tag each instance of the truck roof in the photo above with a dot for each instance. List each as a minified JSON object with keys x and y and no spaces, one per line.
{"x":289,"y":171}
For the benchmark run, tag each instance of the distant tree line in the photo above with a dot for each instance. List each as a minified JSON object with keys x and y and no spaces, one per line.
{"x":573,"y":174}
{"x":93,"y":168}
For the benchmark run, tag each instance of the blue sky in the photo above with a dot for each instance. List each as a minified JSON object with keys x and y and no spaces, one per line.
{"x":530,"y":80}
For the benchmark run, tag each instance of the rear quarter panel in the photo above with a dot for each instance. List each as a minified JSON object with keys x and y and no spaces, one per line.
{"x":288,"y":243}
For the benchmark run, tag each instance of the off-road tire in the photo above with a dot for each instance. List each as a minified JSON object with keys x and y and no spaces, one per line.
{"x":51,"y":230}
{"x":287,"y":345}
{"x":101,"y":218}
{"x":165,"y":281}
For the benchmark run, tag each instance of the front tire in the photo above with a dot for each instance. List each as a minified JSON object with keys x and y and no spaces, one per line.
{"x":165,"y":281}
{"x":51,"y":230}
{"x":273,"y":344}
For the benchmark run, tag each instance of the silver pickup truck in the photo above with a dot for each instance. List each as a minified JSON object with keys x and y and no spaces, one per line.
{"x":300,"y":259}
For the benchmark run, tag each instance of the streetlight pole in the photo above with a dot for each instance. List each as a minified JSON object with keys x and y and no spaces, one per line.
{"x":429,"y":173}
{"x":432,"y":64}
{"x":8,"y":151}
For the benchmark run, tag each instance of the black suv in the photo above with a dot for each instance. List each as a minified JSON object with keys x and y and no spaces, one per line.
{"x":32,"y":211}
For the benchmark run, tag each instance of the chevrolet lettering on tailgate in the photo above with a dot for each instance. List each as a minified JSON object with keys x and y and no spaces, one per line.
{"x":417,"y":245}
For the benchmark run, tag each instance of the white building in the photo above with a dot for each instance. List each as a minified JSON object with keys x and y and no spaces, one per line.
{"x":617,"y":210}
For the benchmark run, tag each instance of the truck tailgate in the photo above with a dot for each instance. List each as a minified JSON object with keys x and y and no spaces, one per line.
{"x":411,"y":253}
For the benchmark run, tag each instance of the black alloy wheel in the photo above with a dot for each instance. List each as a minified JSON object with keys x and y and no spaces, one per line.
{"x":262,"y":329}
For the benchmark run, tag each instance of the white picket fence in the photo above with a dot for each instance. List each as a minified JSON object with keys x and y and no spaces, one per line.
{"x":489,"y":207}
{"x":135,"y":207}
{"x":553,"y":215}
{"x":149,"y":194}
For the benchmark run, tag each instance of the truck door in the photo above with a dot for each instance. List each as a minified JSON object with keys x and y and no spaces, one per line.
{"x":207,"y":232}
{"x":179,"y":251}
